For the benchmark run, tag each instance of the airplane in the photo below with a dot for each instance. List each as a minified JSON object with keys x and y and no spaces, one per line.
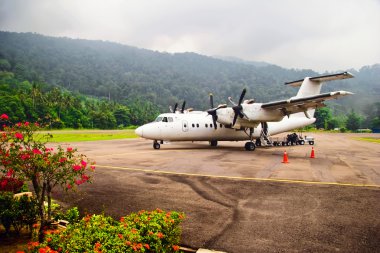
{"x":245,"y":120}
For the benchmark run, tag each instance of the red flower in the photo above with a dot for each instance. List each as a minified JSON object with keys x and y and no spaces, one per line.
{"x":120,"y":236}
{"x":160,"y":235}
{"x":128,"y":243}
{"x":26,"y":123}
{"x":92,"y":167}
{"x":20,"y":252}
{"x":69,"y":186}
{"x":175,"y":247}
{"x":69,"y":149}
{"x":42,"y":250}
{"x":146,"y":246}
{"x":37,"y":151}
{"x":19,"y":124}
{"x":76,"y":167}
{"x":19,"y":136}
{"x":4,"y":116}
{"x":10,"y":172}
{"x":83,"y":163}
{"x":63,"y":159}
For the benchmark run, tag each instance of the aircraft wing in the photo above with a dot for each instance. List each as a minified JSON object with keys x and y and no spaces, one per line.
{"x":294,"y":105}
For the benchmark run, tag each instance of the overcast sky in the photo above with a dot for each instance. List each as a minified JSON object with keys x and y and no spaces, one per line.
{"x":316,"y":34}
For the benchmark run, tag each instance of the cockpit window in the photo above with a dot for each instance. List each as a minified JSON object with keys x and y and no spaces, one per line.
{"x":158,"y":119}
{"x":165,"y":119}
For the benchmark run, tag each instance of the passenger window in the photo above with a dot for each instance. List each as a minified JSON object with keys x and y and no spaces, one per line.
{"x":210,"y":125}
{"x":192,"y":125}
{"x":206,"y":125}
{"x":170,"y":119}
{"x":221,"y":125}
{"x":159,"y":119}
{"x":197,"y":125}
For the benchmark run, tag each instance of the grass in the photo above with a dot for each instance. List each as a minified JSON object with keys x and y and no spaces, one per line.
{"x":369,"y":139}
{"x":89,"y":135}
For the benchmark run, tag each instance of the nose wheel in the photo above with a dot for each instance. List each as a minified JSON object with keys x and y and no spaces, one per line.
{"x":156,"y":145}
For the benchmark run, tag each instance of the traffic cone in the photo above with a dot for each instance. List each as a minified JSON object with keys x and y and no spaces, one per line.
{"x":312,"y":155}
{"x":285,"y":160}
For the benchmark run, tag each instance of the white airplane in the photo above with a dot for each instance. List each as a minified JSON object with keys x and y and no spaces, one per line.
{"x":246,"y":120}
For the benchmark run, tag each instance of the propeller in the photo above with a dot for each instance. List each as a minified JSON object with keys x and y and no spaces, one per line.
{"x":238,"y":109}
{"x":213,"y":110}
{"x":183,"y":106}
{"x":175,"y":107}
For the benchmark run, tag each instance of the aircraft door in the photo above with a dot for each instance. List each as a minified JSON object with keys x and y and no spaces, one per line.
{"x":185,"y":126}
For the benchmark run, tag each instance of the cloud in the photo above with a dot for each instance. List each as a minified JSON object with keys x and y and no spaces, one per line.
{"x":317,"y":34}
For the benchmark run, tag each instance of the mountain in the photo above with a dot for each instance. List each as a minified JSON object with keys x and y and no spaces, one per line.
{"x":120,"y":73}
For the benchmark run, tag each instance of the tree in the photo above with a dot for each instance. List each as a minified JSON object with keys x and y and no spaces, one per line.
{"x":353,"y":121}
{"x":323,"y":116}
{"x":24,"y":155}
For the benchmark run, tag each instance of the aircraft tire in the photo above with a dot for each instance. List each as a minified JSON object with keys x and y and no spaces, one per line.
{"x":213,"y":143}
{"x":156,"y":145}
{"x":250,"y":146}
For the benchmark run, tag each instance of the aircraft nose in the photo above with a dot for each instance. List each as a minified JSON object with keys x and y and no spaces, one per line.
{"x":139,"y":131}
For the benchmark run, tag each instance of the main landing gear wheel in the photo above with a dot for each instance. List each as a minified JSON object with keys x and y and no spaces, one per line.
{"x":213,"y":143}
{"x":250,"y":146}
{"x":156,"y":145}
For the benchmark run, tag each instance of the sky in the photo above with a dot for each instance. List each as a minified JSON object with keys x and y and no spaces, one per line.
{"x":323,"y":35}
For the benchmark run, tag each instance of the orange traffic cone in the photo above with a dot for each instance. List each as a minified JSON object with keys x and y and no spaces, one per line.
{"x":312,"y":155}
{"x":285,"y":160}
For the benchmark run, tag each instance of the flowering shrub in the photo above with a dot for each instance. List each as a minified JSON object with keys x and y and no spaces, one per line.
{"x":155,"y":231}
{"x":10,"y":184}
{"x":25,"y":156}
{"x":17,"y":212}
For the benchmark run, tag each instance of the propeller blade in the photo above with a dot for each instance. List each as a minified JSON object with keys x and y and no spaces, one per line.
{"x":175,"y":107}
{"x":242,"y":95}
{"x":183,"y":106}
{"x":235,"y":118}
{"x":211,"y":100}
{"x":170,"y":108}
{"x":214,"y":118}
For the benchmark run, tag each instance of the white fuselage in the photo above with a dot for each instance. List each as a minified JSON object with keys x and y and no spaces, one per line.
{"x":198,"y":126}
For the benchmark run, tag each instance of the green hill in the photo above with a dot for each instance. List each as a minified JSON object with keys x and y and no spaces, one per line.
{"x":121,"y":73}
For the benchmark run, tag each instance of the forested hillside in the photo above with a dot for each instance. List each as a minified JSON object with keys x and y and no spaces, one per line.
{"x":123,"y":74}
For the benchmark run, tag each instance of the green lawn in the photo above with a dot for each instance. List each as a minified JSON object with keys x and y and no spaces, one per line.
{"x":369,"y":139}
{"x":89,"y":135}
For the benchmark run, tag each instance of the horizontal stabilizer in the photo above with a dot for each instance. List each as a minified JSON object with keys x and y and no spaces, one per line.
{"x":298,"y":104}
{"x":325,"y":78}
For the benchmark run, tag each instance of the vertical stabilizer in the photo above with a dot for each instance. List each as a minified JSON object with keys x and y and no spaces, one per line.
{"x":309,"y":88}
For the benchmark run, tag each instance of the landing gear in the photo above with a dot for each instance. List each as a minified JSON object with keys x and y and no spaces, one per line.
{"x":156,"y":145}
{"x":250,"y":146}
{"x":213,"y":143}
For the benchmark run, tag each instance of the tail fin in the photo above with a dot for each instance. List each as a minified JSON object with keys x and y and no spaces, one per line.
{"x":312,"y":85}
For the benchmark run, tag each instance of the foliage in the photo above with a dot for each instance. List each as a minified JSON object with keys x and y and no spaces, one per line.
{"x":323,"y":116}
{"x":10,"y":184}
{"x":59,"y":108}
{"x":135,"y":84}
{"x":353,"y":121}
{"x":155,"y":231}
{"x":24,"y":155}
{"x":17,"y":212}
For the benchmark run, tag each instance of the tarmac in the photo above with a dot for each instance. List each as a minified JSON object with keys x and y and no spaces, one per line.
{"x":241,"y":201}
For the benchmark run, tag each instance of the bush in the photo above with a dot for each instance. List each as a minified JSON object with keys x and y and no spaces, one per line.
{"x":17,"y":212}
{"x":10,"y":184}
{"x":155,"y":231}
